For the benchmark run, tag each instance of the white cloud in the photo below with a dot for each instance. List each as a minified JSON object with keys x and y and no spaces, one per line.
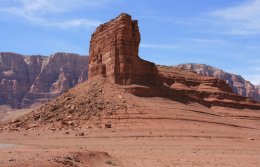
{"x":159,"y":46}
{"x":186,"y":43}
{"x":74,"y":23}
{"x":255,"y":68}
{"x":44,"y":12}
{"x":53,"y":6}
{"x":242,"y":19}
{"x":209,"y":41}
{"x":254,"y":79}
{"x":65,"y":24}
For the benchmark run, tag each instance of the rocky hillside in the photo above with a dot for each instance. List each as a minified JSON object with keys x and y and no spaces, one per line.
{"x":25,"y":80}
{"x":118,"y":77}
{"x":257,"y":88}
{"x":238,"y":83}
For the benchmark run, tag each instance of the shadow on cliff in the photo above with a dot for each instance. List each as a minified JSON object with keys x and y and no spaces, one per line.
{"x":153,"y":85}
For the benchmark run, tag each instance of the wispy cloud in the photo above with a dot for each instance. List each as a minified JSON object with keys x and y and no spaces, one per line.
{"x":254,"y":78}
{"x":250,"y":72}
{"x":52,"y":6}
{"x":242,"y":19}
{"x":44,"y":12}
{"x":186,"y":43}
{"x":205,"y":41}
{"x":160,"y":46}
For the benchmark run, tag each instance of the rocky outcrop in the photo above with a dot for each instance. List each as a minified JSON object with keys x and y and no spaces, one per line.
{"x":238,"y":83}
{"x":13,"y":78}
{"x":25,"y":80}
{"x":115,"y":70}
{"x":114,"y":54}
{"x":257,"y":87}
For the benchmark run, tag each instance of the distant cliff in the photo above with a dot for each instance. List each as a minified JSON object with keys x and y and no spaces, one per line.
{"x":258,"y":89}
{"x":238,"y":83}
{"x":25,"y":80}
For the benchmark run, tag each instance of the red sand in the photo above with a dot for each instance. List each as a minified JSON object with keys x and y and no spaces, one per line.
{"x":156,"y":132}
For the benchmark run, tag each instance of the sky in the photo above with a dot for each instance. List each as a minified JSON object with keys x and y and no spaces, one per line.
{"x":221,"y":33}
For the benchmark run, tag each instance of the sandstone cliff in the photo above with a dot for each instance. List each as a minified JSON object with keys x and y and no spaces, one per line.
{"x":113,"y":54}
{"x":258,"y":88}
{"x":238,"y":83}
{"x":114,"y":51}
{"x":117,"y":75}
{"x":25,"y":80}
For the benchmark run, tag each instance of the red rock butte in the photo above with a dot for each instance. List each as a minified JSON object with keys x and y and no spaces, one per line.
{"x":170,"y":128}
{"x":114,"y":53}
{"x":114,"y":48}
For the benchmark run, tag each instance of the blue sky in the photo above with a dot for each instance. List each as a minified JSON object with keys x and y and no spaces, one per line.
{"x":221,"y":33}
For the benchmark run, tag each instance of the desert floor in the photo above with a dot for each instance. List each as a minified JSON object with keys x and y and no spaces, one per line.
{"x":156,"y":133}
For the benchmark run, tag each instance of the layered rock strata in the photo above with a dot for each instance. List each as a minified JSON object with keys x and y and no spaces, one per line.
{"x":238,"y":83}
{"x":25,"y":80}
{"x":258,"y":88}
{"x":115,"y":70}
{"x":114,"y":54}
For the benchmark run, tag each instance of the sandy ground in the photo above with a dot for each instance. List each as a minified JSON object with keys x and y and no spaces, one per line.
{"x":156,"y":132}
{"x":7,"y":113}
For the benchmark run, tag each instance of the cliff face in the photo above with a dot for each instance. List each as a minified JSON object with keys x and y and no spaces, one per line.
{"x":238,"y":83}
{"x":114,"y":54}
{"x":258,"y":89}
{"x":115,"y":70}
{"x":13,"y":78}
{"x":25,"y":80}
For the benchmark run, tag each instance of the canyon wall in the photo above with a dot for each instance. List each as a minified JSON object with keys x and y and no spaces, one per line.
{"x":114,"y":51}
{"x":114,"y":48}
{"x":257,"y":87}
{"x":238,"y":83}
{"x":25,"y":80}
